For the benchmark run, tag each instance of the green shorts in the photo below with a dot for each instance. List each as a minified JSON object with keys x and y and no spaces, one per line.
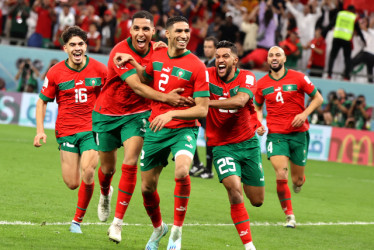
{"x":158,"y":145}
{"x":112,"y":131}
{"x":77,"y":143}
{"x":294,"y":146}
{"x":242,"y":159}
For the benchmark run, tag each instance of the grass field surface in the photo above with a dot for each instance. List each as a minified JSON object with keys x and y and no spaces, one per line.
{"x":334,"y":210}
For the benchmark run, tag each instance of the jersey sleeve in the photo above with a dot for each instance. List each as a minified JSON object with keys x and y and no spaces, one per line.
{"x":259,"y":97}
{"x":48,"y":92}
{"x":124,"y":71}
{"x":148,"y":72}
{"x":201,"y":82}
{"x":307,"y":86}
{"x":248,"y":85}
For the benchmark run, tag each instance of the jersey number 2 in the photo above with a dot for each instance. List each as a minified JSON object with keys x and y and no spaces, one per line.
{"x":164,"y":80}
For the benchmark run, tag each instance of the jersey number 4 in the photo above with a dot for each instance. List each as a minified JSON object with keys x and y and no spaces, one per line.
{"x":279,"y":97}
{"x":81,"y":95}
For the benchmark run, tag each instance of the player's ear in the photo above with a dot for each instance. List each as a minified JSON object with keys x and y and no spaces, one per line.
{"x":65,"y":48}
{"x":167,"y":33}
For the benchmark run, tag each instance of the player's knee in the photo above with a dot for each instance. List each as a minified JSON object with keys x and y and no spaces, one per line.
{"x":257,"y":203}
{"x":235,"y":196}
{"x":72,"y":185}
{"x":298,"y":181}
{"x":148,"y":188}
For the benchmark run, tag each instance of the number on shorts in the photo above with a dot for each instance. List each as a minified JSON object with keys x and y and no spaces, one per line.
{"x":163,"y":81}
{"x":270,"y":147}
{"x":224,"y":165}
{"x":279,"y":97}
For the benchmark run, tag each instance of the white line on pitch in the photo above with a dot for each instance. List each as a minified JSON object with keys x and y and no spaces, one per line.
{"x":24,"y":223}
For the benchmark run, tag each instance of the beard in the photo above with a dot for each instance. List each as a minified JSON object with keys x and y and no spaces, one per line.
{"x":276,"y":69}
{"x":228,"y":71}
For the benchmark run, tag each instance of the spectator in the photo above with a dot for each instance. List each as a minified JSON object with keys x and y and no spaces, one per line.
{"x":66,"y":18}
{"x":359,"y":114}
{"x":46,"y":19}
{"x":336,"y":110}
{"x":2,"y":85}
{"x":123,"y":27}
{"x":366,"y":55}
{"x":213,"y":28}
{"x":250,"y":28}
{"x":329,"y":12}
{"x":306,"y":22}
{"x":19,"y":12}
{"x":93,"y":39}
{"x":27,"y":76}
{"x":292,"y":48}
{"x":51,"y":64}
{"x":210,"y":45}
{"x":316,"y":117}
{"x":198,"y":29}
{"x":268,"y":23}
{"x":343,"y":32}
{"x":317,"y":46}
{"x":236,"y":10}
{"x":228,"y":30}
{"x":108,"y":29}
{"x":86,"y":17}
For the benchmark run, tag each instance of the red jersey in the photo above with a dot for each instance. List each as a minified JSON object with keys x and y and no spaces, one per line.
{"x":117,"y":98}
{"x":235,"y":125}
{"x":185,"y":71}
{"x":284,"y":99}
{"x":315,"y":58}
{"x":44,"y":23}
{"x":75,"y":93}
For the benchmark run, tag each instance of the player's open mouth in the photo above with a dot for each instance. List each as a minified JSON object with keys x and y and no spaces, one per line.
{"x":182,"y":42}
{"x":77,"y":55}
{"x":222,"y":68}
{"x":141,"y":43}
{"x":274,"y":63}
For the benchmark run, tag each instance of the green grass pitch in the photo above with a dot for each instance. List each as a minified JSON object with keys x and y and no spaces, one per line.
{"x":334,"y":210}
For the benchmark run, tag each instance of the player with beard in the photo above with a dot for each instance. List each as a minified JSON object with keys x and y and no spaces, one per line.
{"x":287,"y":143}
{"x":120,"y":116}
{"x":231,"y":127}
{"x":75,"y":83}
{"x":172,"y":129}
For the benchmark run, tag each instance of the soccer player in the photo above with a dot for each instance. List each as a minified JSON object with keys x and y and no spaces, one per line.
{"x":283,"y":91}
{"x":172,"y":129}
{"x":119,"y":119}
{"x":231,"y":127}
{"x":75,"y":83}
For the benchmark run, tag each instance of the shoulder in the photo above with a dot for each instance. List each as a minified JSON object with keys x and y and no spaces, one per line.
{"x":263,"y":80}
{"x":56,"y":69}
{"x":245,"y":72}
{"x":122,"y":47}
{"x":98,"y":65}
{"x":295,"y":74}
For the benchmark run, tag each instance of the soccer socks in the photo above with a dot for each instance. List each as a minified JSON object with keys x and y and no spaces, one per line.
{"x":240,"y":218}
{"x":181,"y":196}
{"x":152,"y":206}
{"x":284,"y":195}
{"x":126,"y":188}
{"x":84,"y":196}
{"x":105,"y":180}
{"x":209,"y":158}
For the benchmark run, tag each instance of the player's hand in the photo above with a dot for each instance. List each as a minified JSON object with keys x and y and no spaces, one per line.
{"x":261,"y":130}
{"x":299,"y":120}
{"x":120,"y":59}
{"x":38,"y":137}
{"x":159,"y":45}
{"x":160,"y":121}
{"x":174,"y":99}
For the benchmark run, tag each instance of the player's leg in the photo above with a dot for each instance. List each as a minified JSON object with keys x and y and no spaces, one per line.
{"x":299,"y":152}
{"x":127,"y":183}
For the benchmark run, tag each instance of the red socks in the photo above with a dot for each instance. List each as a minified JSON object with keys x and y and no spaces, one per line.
{"x":284,"y":196}
{"x":181,"y":196}
{"x":152,"y":206}
{"x":105,"y":181}
{"x":84,"y":196}
{"x":240,"y":218}
{"x":126,"y":188}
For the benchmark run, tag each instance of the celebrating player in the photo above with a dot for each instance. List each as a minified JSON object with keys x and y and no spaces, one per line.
{"x":75,"y":83}
{"x":120,"y":116}
{"x":172,"y":129}
{"x":283,"y":92}
{"x":231,"y":124}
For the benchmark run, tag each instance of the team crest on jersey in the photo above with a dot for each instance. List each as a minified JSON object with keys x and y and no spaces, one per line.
{"x":180,"y":73}
{"x":189,"y":138}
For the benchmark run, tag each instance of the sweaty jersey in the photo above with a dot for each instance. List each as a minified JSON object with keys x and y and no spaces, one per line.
{"x":117,"y":98}
{"x":75,"y":93}
{"x":168,"y":73}
{"x":284,"y":99}
{"x":235,"y":125}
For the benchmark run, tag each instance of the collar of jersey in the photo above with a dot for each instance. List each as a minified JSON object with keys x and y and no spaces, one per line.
{"x":184,"y":54}
{"x":129,"y":42}
{"x":285,"y":73}
{"x":67,"y":65}
{"x":236,"y":75}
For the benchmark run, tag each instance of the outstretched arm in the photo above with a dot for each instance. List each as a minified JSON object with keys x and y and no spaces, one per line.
{"x":299,"y":119}
{"x":235,"y":102}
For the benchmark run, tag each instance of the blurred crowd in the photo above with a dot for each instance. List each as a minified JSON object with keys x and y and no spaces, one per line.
{"x":310,"y":31}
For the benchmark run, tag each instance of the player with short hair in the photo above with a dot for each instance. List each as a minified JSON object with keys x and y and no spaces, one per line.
{"x":172,"y":129}
{"x":283,"y":91}
{"x":231,"y":127}
{"x":75,"y":83}
{"x":120,"y":116}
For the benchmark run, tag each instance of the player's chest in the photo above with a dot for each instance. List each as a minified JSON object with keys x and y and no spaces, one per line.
{"x":79,"y":87}
{"x":167,"y":75}
{"x":220,"y":90}
{"x":281,"y":93}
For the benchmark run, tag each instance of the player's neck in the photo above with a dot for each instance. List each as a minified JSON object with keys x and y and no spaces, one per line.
{"x":173,"y":52}
{"x":78,"y":67}
{"x":277,"y":75}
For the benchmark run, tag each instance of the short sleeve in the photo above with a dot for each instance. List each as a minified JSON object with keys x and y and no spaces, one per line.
{"x":148,"y":73}
{"x":201,"y":82}
{"x":48,"y":92}
{"x":307,"y":86}
{"x":248,"y":85}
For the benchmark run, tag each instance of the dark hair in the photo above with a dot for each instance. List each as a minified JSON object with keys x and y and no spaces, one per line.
{"x":213,"y":39}
{"x":229,"y":45}
{"x":351,"y":8}
{"x":143,"y":14}
{"x":175,"y":19}
{"x":73,"y":31}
